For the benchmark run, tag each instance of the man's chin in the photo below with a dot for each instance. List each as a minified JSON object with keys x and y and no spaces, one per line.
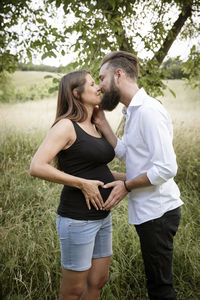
{"x":108,"y":108}
{"x":109,"y":103}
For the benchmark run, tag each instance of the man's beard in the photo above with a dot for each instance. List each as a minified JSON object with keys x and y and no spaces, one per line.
{"x":110,"y":99}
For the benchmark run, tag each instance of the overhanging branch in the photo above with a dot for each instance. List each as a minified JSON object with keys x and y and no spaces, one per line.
{"x":172,"y":34}
{"x":123,"y":41}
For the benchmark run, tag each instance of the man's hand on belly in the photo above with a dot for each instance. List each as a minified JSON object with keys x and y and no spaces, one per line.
{"x":117,"y":194}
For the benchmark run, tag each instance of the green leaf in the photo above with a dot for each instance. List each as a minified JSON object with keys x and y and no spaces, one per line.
{"x":41,"y":21}
{"x":53,"y":89}
{"x":48,"y":76}
{"x":56,"y":80}
{"x":172,"y":92}
{"x":45,"y":55}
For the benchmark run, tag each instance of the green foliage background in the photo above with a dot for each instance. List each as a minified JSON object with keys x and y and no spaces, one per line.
{"x":99,"y":27}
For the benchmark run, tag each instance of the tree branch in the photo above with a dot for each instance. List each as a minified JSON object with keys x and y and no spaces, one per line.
{"x":123,"y":41}
{"x":172,"y":34}
{"x":125,"y":45}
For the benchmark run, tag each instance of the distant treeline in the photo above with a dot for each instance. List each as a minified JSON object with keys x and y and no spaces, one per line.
{"x":45,"y":68}
{"x":172,"y":68}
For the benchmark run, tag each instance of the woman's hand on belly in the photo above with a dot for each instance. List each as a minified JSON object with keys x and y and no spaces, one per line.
{"x":90,"y":189}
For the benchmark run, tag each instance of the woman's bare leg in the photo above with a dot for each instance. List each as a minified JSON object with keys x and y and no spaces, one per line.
{"x":73,"y":284}
{"x":97,"y":277}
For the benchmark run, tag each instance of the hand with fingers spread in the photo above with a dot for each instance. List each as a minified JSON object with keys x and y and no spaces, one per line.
{"x":90,"y":189}
{"x":118,"y":193}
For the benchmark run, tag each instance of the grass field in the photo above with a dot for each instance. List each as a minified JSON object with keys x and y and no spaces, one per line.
{"x":26,"y":86}
{"x":27,"y":78}
{"x":30,"y":254}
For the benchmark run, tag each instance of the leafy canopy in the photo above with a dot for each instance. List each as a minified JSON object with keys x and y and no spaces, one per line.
{"x":146,"y":28}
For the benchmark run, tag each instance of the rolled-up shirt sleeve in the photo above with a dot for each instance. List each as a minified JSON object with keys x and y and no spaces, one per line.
{"x":120,"y":149}
{"x":157,"y":132}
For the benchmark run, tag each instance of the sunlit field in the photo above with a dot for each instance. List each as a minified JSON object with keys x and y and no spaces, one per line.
{"x":33,"y":115}
{"x":30,"y":254}
{"x":27,"y":78}
{"x":184,"y":109}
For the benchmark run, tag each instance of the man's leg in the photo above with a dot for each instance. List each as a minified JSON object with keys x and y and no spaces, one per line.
{"x":156,"y":240}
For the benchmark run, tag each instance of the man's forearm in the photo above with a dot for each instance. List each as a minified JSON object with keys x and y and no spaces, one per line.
{"x":108,"y":132}
{"x":119,"y":176}
{"x":138,"y":182}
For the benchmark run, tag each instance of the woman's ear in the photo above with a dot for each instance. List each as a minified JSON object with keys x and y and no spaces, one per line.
{"x":75,"y":93}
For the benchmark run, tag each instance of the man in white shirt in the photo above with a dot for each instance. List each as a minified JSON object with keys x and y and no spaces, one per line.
{"x":146,"y":146}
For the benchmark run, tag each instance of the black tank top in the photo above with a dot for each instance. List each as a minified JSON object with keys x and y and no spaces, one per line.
{"x":86,"y":158}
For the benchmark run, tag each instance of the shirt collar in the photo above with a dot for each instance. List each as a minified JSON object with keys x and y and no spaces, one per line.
{"x":137,"y":100}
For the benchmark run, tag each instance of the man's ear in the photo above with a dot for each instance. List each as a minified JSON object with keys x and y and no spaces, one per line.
{"x":118,"y":74}
{"x":75,"y":93}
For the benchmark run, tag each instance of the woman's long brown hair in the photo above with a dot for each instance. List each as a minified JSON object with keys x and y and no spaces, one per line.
{"x":69,"y":106}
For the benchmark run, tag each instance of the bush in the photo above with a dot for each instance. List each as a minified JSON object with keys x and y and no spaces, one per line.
{"x":173,"y":69}
{"x":6,"y":87}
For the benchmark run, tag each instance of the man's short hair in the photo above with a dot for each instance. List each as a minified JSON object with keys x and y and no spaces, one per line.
{"x":123,"y":60}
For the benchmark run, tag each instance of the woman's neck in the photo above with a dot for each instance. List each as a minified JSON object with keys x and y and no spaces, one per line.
{"x":90,"y":110}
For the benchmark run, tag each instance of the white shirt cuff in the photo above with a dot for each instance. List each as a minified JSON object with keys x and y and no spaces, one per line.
{"x":154,"y":176}
{"x":120,"y":151}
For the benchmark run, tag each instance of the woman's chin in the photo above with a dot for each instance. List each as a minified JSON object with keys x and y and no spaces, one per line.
{"x":98,"y":102}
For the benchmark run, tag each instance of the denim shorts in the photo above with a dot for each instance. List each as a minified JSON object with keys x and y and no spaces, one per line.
{"x":81,"y":240}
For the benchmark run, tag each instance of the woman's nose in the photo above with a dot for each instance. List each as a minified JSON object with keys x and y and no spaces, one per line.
{"x":98,"y":88}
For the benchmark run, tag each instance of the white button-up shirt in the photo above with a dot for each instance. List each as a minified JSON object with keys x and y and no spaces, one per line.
{"x":147,"y":147}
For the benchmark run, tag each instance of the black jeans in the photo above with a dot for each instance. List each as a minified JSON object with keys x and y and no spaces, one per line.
{"x":156,"y":240}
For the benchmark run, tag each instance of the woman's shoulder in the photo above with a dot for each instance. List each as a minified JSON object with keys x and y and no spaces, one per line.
{"x":63,"y":126}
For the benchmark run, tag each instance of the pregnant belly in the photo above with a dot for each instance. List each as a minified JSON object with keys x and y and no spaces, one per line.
{"x":101,"y":173}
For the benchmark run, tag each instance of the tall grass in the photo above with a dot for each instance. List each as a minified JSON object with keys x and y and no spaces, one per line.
{"x":30,"y":254}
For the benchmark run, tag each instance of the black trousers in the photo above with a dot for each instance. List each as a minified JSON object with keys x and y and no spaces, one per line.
{"x":156,"y":240}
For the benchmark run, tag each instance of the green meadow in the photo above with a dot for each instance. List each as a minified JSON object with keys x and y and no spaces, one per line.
{"x":30,"y":254}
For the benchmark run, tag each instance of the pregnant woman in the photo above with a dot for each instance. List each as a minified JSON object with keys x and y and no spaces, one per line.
{"x":81,"y":155}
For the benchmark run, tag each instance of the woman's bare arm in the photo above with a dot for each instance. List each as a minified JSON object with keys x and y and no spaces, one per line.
{"x":59,"y":137}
